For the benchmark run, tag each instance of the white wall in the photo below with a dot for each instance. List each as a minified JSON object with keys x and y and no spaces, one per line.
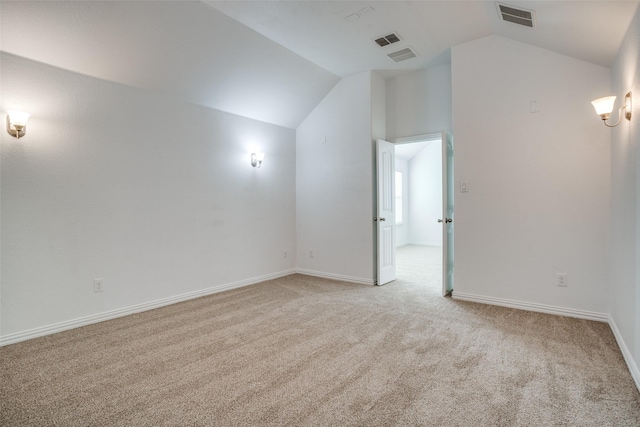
{"x":334,"y":184}
{"x":402,"y":230}
{"x":425,"y":196}
{"x":154,"y":195}
{"x":419,"y":103}
{"x":539,"y":182}
{"x":625,"y":202}
{"x":378,"y":126}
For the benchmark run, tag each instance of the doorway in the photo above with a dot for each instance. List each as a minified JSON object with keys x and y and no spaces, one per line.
{"x":419,"y":206}
{"x":420,"y":264}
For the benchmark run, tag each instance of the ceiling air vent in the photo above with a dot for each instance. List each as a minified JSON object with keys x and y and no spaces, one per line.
{"x":402,"y":54}
{"x":515,"y":15}
{"x":388,"y":39}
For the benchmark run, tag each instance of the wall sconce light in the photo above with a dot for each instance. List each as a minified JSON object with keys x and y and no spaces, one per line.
{"x":604,"y":107}
{"x":256,"y":159}
{"x":16,"y":123}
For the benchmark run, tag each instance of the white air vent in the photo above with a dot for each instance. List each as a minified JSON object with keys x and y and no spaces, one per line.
{"x":388,"y":39}
{"x":516,"y":15}
{"x":402,"y":54}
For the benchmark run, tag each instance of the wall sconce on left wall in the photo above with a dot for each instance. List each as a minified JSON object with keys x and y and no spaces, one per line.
{"x":256,"y":159}
{"x":17,"y":123}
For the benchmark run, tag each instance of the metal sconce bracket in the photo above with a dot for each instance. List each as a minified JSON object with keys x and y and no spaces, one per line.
{"x":627,"y":106}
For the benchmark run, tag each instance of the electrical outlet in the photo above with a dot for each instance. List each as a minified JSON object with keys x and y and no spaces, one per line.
{"x":561,"y":280}
{"x":98,"y":285}
{"x":534,"y":106}
{"x":311,"y":254}
{"x":284,"y":253}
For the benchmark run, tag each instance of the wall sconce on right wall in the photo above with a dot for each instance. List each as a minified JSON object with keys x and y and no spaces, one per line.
{"x":604,"y":107}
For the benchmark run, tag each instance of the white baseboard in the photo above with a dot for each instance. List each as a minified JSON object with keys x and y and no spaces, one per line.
{"x":434,"y":244}
{"x":529,"y":306}
{"x":324,"y":275}
{"x":631,"y":364}
{"x":114,"y":314}
{"x":121,"y":312}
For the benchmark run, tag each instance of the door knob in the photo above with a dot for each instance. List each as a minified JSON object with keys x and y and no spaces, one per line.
{"x":382,"y":219}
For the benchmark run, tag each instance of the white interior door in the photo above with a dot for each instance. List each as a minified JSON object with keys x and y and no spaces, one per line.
{"x":386,"y":218}
{"x":447,"y":213}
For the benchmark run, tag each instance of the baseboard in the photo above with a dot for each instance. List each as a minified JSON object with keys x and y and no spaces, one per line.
{"x":434,"y":244}
{"x":529,"y":306}
{"x":114,"y":314}
{"x":332,"y":276}
{"x":561,"y":311}
{"x":628,"y":358}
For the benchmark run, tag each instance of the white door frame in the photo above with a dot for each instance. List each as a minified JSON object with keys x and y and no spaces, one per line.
{"x":447,"y":202}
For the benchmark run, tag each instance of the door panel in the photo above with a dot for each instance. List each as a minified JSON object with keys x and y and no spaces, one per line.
{"x":447,"y":213}
{"x":386,"y":219}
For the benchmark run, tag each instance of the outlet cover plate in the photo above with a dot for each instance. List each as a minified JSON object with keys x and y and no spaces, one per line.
{"x":98,"y":285}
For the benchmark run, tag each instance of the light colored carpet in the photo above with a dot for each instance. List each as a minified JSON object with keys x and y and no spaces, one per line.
{"x":420,"y":264}
{"x":303,"y":351}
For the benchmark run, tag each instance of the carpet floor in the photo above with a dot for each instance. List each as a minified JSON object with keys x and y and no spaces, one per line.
{"x":420,"y":264}
{"x":304,"y":351}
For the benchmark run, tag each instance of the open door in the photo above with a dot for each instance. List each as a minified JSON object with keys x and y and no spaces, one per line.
{"x":447,"y":213}
{"x":386,"y":218}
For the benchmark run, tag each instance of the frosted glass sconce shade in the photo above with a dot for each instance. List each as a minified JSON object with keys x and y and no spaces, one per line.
{"x":256,"y":159}
{"x":604,"y":107}
{"x":17,"y":123}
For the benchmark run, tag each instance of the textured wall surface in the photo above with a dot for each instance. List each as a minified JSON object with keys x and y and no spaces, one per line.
{"x":154,"y":195}
{"x":539,"y":199}
{"x":334,"y":187}
{"x":625,"y":199}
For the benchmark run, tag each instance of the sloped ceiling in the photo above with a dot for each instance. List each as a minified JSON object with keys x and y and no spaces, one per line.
{"x":183,"y":48}
{"x":409,"y":151}
{"x":275,"y":60}
{"x":339,"y":35}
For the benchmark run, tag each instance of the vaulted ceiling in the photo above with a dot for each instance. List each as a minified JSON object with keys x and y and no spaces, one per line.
{"x":186,"y":49}
{"x":339,"y":35}
{"x":275,"y":60}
